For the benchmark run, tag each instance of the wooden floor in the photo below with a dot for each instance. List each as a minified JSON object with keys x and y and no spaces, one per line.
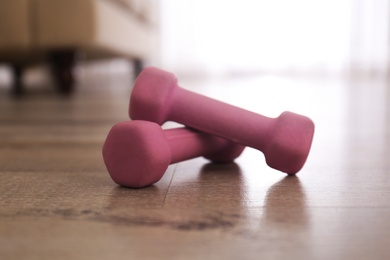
{"x":57,"y":200}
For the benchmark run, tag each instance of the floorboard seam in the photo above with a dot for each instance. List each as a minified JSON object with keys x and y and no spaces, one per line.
{"x":169,"y":186}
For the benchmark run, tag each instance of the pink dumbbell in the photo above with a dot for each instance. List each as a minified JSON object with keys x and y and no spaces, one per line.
{"x":285,"y":140}
{"x":137,"y":153}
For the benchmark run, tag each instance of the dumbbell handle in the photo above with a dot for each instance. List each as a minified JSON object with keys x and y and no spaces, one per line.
{"x":215,"y":117}
{"x":188,"y":143}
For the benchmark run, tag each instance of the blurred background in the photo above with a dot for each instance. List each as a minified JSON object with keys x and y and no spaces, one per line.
{"x":300,"y":36}
{"x":191,"y":38}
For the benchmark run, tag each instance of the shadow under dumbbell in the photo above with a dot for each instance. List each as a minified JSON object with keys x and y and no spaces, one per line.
{"x":226,"y":172}
{"x":213,"y":186}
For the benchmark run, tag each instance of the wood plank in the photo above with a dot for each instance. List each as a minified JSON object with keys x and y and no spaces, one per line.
{"x":57,"y":200}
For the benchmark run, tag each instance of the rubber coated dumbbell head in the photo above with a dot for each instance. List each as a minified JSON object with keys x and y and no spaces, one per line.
{"x":290,"y":142}
{"x":153,"y":104}
{"x":136,"y":155}
{"x":226,"y":153}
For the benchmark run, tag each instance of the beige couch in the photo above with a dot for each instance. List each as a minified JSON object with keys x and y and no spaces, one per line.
{"x":57,"y":31}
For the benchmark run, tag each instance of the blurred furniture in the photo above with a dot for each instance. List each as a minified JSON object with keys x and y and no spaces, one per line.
{"x":56,"y":31}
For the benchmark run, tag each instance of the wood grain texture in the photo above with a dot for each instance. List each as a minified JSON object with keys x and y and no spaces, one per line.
{"x":57,"y":200}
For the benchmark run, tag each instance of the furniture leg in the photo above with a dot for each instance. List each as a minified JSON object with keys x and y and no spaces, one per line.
{"x":138,"y":66}
{"x":17,"y":88}
{"x":62,"y":63}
